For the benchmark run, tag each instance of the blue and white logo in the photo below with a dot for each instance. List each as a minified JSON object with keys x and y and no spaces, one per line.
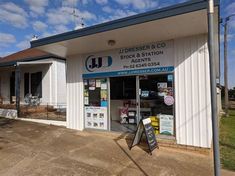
{"x":95,"y":63}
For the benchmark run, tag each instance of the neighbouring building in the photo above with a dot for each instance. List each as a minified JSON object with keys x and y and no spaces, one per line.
{"x":40,"y":74}
{"x":154,"y":64}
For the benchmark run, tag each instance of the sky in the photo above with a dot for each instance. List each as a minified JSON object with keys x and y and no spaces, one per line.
{"x":20,"y":20}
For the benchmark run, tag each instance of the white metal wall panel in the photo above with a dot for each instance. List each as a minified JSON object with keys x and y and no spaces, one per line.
{"x":61,"y":82}
{"x":5,"y":86}
{"x":192,"y":92}
{"x":74,"y":93}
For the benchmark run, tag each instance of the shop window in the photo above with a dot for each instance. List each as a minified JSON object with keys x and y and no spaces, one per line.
{"x":123,"y":88}
{"x":36,"y":84}
{"x":157,"y":102}
{"x":96,"y":103}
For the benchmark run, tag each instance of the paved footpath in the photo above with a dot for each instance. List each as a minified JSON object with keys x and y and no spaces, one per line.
{"x":35,"y":149}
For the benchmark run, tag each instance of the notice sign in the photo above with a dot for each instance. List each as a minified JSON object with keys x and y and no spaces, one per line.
{"x":96,"y":117}
{"x":166,"y":124}
{"x":144,"y":59}
{"x":145,"y":128}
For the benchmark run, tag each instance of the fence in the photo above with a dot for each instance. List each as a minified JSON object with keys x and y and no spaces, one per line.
{"x":46,"y":112}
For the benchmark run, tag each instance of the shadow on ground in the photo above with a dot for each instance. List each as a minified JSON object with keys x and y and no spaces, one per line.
{"x":6,"y":123}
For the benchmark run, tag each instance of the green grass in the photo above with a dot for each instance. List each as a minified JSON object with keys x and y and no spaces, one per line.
{"x":227,"y":141}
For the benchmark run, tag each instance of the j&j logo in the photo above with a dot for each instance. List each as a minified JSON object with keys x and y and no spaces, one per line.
{"x":95,"y":63}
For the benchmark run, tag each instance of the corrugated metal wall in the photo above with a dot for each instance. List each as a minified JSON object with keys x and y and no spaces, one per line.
{"x":74,"y":93}
{"x":192,"y":92}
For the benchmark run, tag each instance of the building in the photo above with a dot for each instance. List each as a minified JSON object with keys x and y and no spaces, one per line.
{"x":40,"y":74}
{"x":154,"y":64}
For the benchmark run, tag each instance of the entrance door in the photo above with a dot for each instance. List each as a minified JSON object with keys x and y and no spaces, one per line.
{"x":156,"y":100}
{"x":123,"y":106}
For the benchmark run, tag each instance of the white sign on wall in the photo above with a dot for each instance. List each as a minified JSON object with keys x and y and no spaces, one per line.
{"x":96,"y":117}
{"x":166,"y":124}
{"x":144,"y":59}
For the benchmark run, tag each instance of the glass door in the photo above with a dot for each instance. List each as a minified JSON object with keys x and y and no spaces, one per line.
{"x":123,"y":106}
{"x":156,"y":100}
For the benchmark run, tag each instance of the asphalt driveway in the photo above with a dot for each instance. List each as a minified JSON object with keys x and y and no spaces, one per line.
{"x":35,"y":149}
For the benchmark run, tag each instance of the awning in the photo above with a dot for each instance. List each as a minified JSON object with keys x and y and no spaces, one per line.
{"x":185,"y":19}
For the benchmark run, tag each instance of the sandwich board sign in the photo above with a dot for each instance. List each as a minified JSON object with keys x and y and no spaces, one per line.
{"x":146,"y":128}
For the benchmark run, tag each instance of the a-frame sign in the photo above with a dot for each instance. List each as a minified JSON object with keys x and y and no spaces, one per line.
{"x":146,"y":128}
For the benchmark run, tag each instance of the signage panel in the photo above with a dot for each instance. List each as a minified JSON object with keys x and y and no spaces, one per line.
{"x":145,"y":59}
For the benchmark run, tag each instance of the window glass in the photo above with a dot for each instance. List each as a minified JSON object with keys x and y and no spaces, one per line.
{"x":36,"y":84}
{"x":96,"y":103}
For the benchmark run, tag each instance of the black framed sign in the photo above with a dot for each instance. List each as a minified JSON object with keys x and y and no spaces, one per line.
{"x":146,"y":128}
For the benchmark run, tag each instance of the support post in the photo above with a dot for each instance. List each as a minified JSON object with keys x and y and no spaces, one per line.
{"x":17,"y":89}
{"x":226,"y":68}
{"x":215,"y":130}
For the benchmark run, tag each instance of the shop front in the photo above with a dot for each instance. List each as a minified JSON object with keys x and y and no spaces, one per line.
{"x":154,"y":64}
{"x":125,"y":85}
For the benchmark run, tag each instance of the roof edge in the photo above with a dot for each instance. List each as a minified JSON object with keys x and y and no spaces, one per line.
{"x":165,"y":12}
{"x":13,"y":63}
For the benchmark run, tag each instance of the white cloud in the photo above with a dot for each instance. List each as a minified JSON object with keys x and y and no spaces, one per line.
{"x":64,"y":16}
{"x":230,"y":8}
{"x":233,"y":53}
{"x":57,"y":29}
{"x":232,"y":22}
{"x":101,"y":1}
{"x":5,"y":53}
{"x":107,"y":9}
{"x":70,"y":3}
{"x":39,"y":26}
{"x":23,"y":44}
{"x":229,"y":37}
{"x":119,"y":13}
{"x":139,"y":4}
{"x":60,"y":29}
{"x":74,"y":3}
{"x":14,"y":15}
{"x":13,"y":8}
{"x":6,"y":39}
{"x":37,"y":6}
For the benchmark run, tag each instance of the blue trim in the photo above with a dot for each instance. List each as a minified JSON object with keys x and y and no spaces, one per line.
{"x":178,"y":9}
{"x":129,"y":72}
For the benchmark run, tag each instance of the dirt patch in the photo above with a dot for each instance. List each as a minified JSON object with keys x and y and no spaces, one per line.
{"x":37,"y":149}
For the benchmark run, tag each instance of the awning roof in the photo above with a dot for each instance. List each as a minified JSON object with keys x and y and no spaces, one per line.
{"x":31,"y":54}
{"x":185,"y":19}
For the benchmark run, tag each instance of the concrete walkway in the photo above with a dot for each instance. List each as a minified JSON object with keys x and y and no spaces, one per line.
{"x":28,"y":148}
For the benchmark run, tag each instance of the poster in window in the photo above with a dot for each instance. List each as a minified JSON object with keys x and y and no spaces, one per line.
{"x":91,"y":84}
{"x":86,"y":93}
{"x":166,"y":124}
{"x":162,"y":89}
{"x":86,"y":100}
{"x":85,"y":82}
{"x":98,"y":83}
{"x":103,"y":84}
{"x":103,"y":94}
{"x":96,"y":117}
